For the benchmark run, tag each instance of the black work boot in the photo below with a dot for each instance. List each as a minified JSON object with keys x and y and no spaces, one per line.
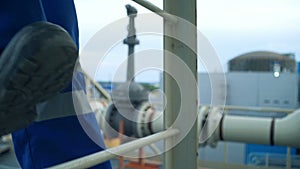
{"x":36,"y":64}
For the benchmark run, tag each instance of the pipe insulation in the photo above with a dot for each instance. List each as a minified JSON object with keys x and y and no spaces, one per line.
{"x":286,"y":130}
{"x":269,"y":131}
{"x":245,"y":129}
{"x":256,"y":130}
{"x":144,"y":120}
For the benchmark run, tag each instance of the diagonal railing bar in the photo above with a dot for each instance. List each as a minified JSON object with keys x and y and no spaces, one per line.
{"x":156,"y":10}
{"x":99,"y":157}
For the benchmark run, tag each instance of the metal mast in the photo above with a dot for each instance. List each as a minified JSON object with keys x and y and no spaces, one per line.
{"x":131,"y":41}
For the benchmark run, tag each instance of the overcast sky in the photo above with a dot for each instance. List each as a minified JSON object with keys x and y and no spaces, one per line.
{"x":232,"y":26}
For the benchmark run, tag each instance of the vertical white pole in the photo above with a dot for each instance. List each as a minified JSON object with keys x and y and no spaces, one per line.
{"x":225,"y":152}
{"x":288,"y":158}
{"x":184,"y":154}
{"x":267,"y":160}
{"x":88,"y":87}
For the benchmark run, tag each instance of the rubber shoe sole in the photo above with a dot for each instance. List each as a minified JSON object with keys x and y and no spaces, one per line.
{"x":36,"y":64}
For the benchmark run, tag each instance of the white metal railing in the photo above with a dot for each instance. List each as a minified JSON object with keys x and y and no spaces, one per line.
{"x":256,"y":109}
{"x":99,"y":88}
{"x":156,"y":10}
{"x":97,"y":158}
{"x":287,"y":160}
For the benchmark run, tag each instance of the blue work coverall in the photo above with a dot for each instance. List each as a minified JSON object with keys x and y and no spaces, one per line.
{"x":60,"y":138}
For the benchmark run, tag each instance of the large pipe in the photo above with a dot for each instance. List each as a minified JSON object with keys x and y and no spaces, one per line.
{"x":144,"y":122}
{"x":286,"y":130}
{"x":269,"y":131}
{"x":257,"y":130}
{"x":245,"y":129}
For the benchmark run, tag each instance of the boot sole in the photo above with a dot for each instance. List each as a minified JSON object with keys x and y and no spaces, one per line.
{"x":37,"y":64}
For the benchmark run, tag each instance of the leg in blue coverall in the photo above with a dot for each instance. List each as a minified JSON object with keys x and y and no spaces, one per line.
{"x":56,"y":135}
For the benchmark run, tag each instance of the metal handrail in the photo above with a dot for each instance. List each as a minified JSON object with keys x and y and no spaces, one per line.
{"x":99,"y":157}
{"x":102,"y":91}
{"x":256,"y":109}
{"x":157,"y":10}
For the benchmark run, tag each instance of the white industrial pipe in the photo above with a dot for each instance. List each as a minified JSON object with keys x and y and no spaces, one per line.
{"x":270,"y":131}
{"x":145,"y":120}
{"x":149,"y":121}
{"x":286,"y":131}
{"x":213,"y":126}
